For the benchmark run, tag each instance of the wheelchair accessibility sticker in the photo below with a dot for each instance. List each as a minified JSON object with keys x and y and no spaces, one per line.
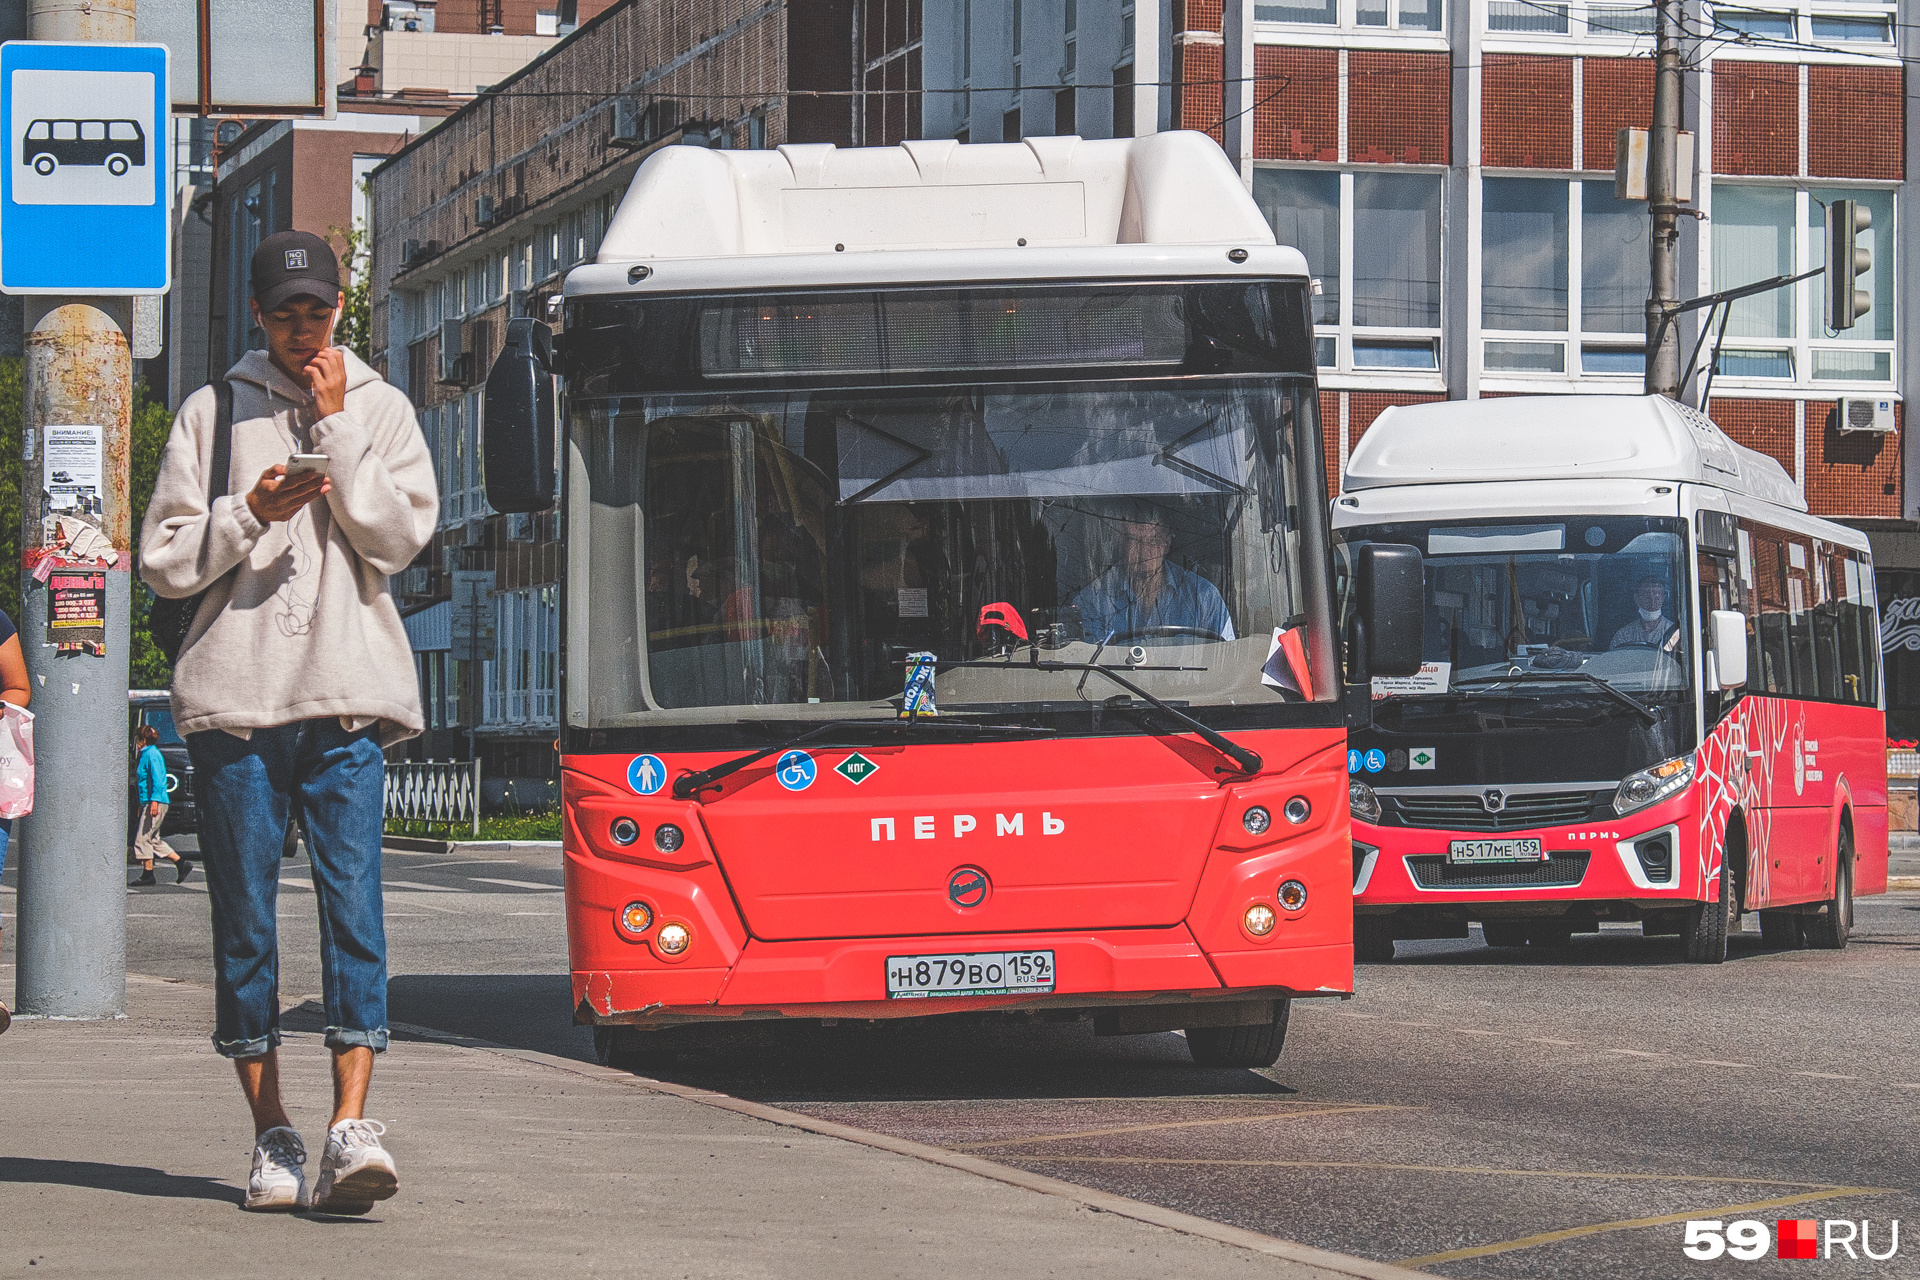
{"x":796,"y":771}
{"x":647,"y":774}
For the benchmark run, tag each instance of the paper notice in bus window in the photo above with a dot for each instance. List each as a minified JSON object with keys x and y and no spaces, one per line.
{"x":1286,"y":666}
{"x":1434,"y":677}
{"x":912,"y":601}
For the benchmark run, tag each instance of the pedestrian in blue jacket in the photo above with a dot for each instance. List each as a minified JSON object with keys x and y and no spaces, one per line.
{"x":151,"y":772}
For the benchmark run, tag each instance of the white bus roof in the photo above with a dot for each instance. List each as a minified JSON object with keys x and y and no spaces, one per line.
{"x":1561,"y":438}
{"x":1165,"y":204}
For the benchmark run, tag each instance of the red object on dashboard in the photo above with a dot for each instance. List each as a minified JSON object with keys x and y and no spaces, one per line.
{"x":1003,"y":615}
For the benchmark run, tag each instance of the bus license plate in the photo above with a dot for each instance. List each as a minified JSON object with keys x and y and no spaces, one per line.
{"x":1495,"y":851}
{"x":987,"y":973}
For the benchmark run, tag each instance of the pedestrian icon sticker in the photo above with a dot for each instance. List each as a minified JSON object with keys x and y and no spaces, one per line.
{"x":856,"y":768}
{"x":647,"y":774}
{"x":1353,"y":761}
{"x":796,"y":771}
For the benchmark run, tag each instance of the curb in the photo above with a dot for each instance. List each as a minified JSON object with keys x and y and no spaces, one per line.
{"x":418,"y":844}
{"x":1899,"y":884}
{"x":1321,"y":1261}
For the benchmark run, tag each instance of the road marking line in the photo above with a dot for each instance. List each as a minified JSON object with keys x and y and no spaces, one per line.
{"x":1469,"y":1031}
{"x":1173,"y":1124}
{"x":1381,"y":1167}
{"x":1631,"y":1224}
{"x":424,"y":888}
{"x":1550,"y":1040}
{"x":532,"y":913}
{"x":1824,"y":1075}
{"x":1717,"y":1062}
{"x":298,"y":884}
{"x":518,"y":884}
{"x":463,"y":862}
{"x":1637,"y":1053}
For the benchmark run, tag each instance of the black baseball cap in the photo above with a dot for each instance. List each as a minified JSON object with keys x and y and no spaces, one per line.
{"x":289,"y":264}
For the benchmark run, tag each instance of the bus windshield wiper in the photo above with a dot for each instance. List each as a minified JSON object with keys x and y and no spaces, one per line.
{"x":1620,"y":696}
{"x":688,"y":785}
{"x":1249,"y":762}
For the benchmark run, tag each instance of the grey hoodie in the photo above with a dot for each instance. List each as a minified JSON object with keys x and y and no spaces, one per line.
{"x":305,"y":627}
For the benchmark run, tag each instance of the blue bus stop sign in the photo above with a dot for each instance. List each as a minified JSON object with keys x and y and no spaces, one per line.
{"x":86,"y":168}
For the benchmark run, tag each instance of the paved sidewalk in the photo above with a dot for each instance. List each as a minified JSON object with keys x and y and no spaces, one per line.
{"x":124,"y":1149}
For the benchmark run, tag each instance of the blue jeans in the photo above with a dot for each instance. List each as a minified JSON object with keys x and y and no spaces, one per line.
{"x":244,"y":789}
{"x":6,"y":837}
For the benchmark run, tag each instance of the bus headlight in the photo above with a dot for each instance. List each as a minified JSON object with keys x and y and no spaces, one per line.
{"x":624,"y":831}
{"x":668,"y":838}
{"x":635,"y":919}
{"x":1360,"y":799}
{"x":1293,"y":896}
{"x":1651,"y":786}
{"x":673,"y":939}
{"x":1256,"y":820}
{"x":1259,"y":920}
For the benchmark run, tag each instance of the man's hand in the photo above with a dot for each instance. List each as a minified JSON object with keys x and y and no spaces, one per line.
{"x":327,"y":377}
{"x":279,"y":497}
{"x":153,"y":808}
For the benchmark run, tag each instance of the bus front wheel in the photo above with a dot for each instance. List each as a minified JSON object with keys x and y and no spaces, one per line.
{"x":1709,"y":923}
{"x":1255,"y":1046}
{"x":625,"y":1049}
{"x":1829,"y":930}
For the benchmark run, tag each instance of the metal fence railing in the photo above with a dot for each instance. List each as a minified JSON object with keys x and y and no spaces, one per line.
{"x":436,"y":792}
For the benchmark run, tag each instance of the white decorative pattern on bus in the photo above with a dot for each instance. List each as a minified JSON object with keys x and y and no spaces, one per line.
{"x":1729,"y":777}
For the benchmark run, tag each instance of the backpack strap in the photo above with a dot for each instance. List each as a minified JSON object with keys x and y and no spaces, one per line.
{"x":219,"y":477}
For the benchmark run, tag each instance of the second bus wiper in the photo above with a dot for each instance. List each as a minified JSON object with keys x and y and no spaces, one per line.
{"x":688,"y":785}
{"x":1625,"y":699}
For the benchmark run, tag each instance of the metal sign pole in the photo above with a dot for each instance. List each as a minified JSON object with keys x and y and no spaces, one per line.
{"x":72,"y":935}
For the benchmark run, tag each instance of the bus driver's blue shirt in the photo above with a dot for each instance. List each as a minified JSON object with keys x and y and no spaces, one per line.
{"x":1108,"y":606}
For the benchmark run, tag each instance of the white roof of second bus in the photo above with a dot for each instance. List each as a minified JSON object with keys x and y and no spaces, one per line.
{"x":1060,"y":207}
{"x":1561,"y":438}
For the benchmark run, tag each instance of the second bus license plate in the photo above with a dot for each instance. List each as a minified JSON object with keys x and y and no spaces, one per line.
{"x":1524,"y":850}
{"x":988,"y":973}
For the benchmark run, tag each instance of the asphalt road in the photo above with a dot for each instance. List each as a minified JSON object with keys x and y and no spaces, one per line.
{"x":1472,"y":1112}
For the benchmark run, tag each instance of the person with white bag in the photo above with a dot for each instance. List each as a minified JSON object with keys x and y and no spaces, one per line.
{"x":16,"y":750}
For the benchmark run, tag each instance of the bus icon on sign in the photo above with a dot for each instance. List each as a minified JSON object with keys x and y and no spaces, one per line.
{"x":117,"y":144}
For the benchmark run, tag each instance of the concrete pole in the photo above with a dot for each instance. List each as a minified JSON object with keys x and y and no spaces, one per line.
{"x":71,"y":943}
{"x":1663,"y":165}
{"x":1237,"y":92}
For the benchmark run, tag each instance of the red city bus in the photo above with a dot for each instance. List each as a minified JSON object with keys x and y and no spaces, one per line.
{"x":946,"y":621}
{"x":1650,"y":687}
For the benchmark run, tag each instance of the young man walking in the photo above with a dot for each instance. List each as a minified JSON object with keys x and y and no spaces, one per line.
{"x":294,"y":676}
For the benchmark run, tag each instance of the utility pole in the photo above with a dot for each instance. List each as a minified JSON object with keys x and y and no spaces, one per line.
{"x":1663,"y":164}
{"x":72,"y":936}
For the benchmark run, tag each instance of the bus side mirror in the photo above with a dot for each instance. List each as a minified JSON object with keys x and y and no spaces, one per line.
{"x":1729,"y":648}
{"x":1390,"y":595}
{"x":516,"y":424}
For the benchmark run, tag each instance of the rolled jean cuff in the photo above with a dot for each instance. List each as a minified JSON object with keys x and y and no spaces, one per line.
{"x":346,"y":1038}
{"x":255,"y":1048}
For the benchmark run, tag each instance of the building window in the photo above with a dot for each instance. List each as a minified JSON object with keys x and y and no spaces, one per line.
{"x":523,"y":677}
{"x":1782,"y":335}
{"x":1540,"y":316}
{"x":1123,"y":101}
{"x":1379,"y":307}
{"x":1063,"y":122}
{"x":1010,"y":126}
{"x":1403,"y":15}
{"x":546,"y":23}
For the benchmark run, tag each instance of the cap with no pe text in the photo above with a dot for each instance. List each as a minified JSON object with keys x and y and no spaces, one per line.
{"x":291,"y":264}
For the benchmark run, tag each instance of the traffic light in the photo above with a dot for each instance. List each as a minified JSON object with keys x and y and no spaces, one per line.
{"x":1846,"y":262}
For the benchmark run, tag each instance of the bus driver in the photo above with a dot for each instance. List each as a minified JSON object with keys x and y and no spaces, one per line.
{"x":1141,"y":590}
{"x":1653,"y":628}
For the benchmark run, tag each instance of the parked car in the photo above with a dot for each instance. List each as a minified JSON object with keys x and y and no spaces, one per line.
{"x":153,"y":707}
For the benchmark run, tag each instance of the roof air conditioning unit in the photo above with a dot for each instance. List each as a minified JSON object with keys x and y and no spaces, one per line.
{"x":452,"y":366}
{"x":483,"y":210}
{"x":413,"y":251}
{"x":1866,"y":415}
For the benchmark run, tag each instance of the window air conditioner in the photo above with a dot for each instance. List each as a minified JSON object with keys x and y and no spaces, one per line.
{"x":1866,"y":415}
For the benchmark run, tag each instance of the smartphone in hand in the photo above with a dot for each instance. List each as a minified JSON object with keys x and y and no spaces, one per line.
{"x":300,"y":464}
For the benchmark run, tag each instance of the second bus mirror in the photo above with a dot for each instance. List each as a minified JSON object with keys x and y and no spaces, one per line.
{"x":516,"y":425}
{"x":1389,"y":582}
{"x":1728,"y":631}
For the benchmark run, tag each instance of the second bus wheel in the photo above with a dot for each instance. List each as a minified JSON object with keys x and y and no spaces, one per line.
{"x":1830,"y":930}
{"x":1709,"y":923}
{"x":627,"y":1049}
{"x":1255,"y":1046}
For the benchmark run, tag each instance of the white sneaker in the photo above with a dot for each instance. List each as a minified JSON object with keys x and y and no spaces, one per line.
{"x":356,"y":1170}
{"x":277,"y":1182}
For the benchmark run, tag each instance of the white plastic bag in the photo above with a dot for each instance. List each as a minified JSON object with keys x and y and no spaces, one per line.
{"x":16,"y":762}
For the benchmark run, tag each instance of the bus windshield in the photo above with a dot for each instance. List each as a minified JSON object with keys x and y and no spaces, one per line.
{"x":1510,"y":604}
{"x":760,"y":548}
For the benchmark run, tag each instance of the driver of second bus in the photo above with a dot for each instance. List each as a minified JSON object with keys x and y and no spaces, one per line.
{"x":1141,"y":591}
{"x":1653,"y":629}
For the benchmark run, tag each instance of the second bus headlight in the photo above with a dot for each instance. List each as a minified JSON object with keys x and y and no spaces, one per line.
{"x":1651,"y":786}
{"x":1365,"y":805}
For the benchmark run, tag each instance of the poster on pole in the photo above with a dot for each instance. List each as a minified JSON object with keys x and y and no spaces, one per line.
{"x":71,"y":468}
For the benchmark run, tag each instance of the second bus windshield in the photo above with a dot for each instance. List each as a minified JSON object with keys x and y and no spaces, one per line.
{"x":1604,"y":597}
